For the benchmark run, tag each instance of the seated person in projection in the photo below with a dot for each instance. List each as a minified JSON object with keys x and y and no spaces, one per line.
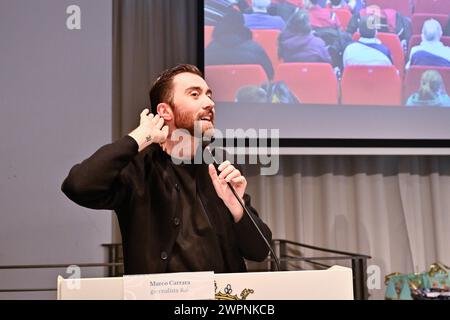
{"x":283,"y":8}
{"x":271,"y":92}
{"x":232,"y":43}
{"x":386,"y":20}
{"x":320,"y":17}
{"x":260,"y":19}
{"x":431,"y":92}
{"x":298,"y":44}
{"x":216,"y":9}
{"x":251,"y":94}
{"x":431,"y":51}
{"x":338,"y":4}
{"x":351,"y":5}
{"x":368,"y":50}
{"x":326,"y":26}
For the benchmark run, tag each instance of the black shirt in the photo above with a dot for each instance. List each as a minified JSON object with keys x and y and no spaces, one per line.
{"x":197,"y":246}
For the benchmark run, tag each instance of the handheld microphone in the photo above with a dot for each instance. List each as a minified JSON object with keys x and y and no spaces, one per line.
{"x":216,"y":165}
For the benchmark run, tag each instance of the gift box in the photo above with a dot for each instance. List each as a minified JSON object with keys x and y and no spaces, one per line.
{"x":433,"y":284}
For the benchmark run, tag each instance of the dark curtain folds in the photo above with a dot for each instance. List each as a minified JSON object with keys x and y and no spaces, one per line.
{"x":148,"y":37}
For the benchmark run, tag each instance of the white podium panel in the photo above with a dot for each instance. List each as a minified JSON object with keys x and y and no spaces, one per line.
{"x":90,"y":289}
{"x":335,"y":283}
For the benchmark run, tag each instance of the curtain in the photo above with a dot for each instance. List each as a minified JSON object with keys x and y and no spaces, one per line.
{"x":393,"y":208}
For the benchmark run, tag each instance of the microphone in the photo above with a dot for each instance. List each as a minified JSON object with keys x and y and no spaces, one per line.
{"x":216,"y":165}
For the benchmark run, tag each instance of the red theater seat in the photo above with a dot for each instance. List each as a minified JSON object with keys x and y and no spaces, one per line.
{"x":392,"y":41}
{"x":225,"y":80}
{"x":431,"y":6}
{"x":208,"y":34}
{"x":344,"y":17}
{"x":419,"y":18}
{"x":268,"y":39}
{"x":402,"y":6}
{"x":371,"y":85}
{"x":413,"y":75}
{"x":311,"y":82}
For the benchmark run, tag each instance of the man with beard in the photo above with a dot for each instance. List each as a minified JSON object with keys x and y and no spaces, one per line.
{"x":174,"y":216}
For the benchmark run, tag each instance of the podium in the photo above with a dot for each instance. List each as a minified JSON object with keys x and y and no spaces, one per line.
{"x":334,"y":283}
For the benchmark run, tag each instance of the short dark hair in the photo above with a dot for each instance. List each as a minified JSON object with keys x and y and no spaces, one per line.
{"x":161,"y":90}
{"x":299,"y":22}
{"x":251,"y":93}
{"x":367,"y":27}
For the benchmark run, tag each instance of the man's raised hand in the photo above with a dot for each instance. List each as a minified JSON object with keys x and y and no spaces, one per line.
{"x":151,"y":130}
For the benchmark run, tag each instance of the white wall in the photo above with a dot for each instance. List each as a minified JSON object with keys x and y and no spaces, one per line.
{"x":55,"y":110}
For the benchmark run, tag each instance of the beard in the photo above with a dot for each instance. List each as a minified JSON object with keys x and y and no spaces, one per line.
{"x":184,"y":121}
{"x":188,"y":121}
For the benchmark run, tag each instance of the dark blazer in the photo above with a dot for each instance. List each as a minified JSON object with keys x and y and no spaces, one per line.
{"x":144,"y":192}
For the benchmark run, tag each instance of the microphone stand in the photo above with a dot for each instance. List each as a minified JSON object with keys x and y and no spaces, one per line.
{"x":216,"y":165}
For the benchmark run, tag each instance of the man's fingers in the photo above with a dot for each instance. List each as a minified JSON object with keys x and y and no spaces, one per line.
{"x":232,"y":175}
{"x":238,"y":180}
{"x":165,"y":131}
{"x":144,"y":112}
{"x":156,"y":119}
{"x":214,"y":178}
{"x":160,"y":123}
{"x":212,"y":171}
{"x":161,"y":135}
{"x":146,"y":115}
{"x":223,"y":165}
{"x":225,"y":172}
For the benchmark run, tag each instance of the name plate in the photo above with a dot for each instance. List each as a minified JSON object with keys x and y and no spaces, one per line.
{"x":169,"y":286}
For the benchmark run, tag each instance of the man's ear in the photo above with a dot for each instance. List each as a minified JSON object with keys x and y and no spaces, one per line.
{"x":165,"y":111}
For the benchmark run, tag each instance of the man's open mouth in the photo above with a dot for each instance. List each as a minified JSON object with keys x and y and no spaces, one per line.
{"x":206,"y":118}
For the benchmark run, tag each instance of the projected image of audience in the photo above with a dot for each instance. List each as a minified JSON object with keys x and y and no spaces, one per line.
{"x":431,"y":92}
{"x":329,"y":52}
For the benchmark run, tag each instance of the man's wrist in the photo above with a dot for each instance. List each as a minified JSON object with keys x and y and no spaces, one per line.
{"x":238,"y":214}
{"x":141,"y":137}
